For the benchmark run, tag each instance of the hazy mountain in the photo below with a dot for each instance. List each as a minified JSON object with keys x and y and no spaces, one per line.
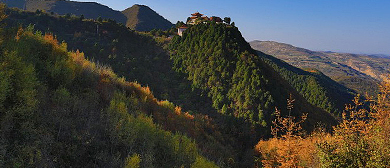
{"x":142,"y":18}
{"x":379,"y":55}
{"x":349,"y":69}
{"x":91,"y":10}
{"x":137,"y":17}
{"x":14,"y":3}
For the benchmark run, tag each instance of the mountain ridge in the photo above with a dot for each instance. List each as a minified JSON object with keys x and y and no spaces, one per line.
{"x":137,"y":17}
{"x":287,"y":52}
{"x":357,"y":72}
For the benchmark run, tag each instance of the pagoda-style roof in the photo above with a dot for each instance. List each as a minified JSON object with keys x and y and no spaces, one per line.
{"x":197,"y":14}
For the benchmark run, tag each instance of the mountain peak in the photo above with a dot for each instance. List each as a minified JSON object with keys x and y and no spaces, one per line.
{"x":139,"y":5}
{"x":143,"y":18}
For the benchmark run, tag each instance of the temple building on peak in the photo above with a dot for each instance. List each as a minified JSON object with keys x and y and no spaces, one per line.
{"x":197,"y":18}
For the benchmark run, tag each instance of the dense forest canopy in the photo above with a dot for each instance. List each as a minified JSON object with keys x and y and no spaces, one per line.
{"x":240,"y":82}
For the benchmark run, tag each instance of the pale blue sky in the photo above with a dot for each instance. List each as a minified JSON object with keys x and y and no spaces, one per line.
{"x":356,"y":26}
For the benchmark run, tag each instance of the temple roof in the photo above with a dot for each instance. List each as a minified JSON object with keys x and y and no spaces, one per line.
{"x":197,"y":14}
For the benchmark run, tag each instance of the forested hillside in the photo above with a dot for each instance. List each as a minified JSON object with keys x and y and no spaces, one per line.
{"x":58,"y":109}
{"x":138,"y":57}
{"x":317,"y":88}
{"x":220,"y":62}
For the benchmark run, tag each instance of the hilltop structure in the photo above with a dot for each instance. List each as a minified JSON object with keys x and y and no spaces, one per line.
{"x":197,"y":18}
{"x":181,"y":29}
{"x":200,"y":18}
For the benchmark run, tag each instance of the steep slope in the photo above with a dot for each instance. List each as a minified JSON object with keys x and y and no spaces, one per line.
{"x":59,"y":110}
{"x":142,"y":18}
{"x":138,"y":57}
{"x":342,"y":67}
{"x":220,"y":62}
{"x":317,"y":88}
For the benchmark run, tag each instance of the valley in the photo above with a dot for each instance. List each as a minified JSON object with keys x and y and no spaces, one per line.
{"x":358,"y":72}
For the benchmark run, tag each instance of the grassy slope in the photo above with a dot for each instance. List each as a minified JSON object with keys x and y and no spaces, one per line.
{"x":131,"y":14}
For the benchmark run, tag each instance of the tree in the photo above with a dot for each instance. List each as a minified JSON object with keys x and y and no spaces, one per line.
{"x":67,"y":16}
{"x":99,"y":19}
{"x":179,"y":24}
{"x":227,"y":20}
{"x":2,"y":17}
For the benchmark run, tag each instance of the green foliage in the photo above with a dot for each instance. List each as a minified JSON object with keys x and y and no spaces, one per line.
{"x":19,"y":83}
{"x":138,"y":57}
{"x":227,"y":20}
{"x":202,"y":163}
{"x":240,"y":83}
{"x":85,"y":116}
{"x":133,"y":161}
{"x":315,"y":87}
{"x":18,"y":104}
{"x":141,"y":135}
{"x":362,"y":85}
{"x":218,"y":62}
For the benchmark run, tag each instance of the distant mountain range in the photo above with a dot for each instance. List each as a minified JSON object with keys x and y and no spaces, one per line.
{"x":379,"y":55}
{"x":137,"y":17}
{"x":342,"y":67}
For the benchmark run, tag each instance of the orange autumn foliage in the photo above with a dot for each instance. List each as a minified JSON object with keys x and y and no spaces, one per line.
{"x":361,"y":139}
{"x":287,"y":148}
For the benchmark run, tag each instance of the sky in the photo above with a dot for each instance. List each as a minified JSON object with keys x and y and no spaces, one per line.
{"x":353,"y":26}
